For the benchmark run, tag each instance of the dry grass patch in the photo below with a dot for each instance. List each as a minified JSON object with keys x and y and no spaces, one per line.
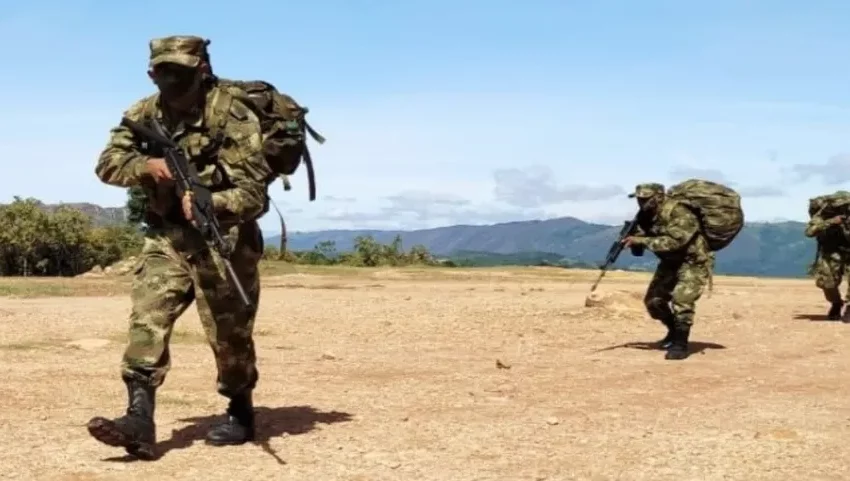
{"x":26,"y":346}
{"x":295,"y":285}
{"x":279,"y":268}
{"x":62,"y":287}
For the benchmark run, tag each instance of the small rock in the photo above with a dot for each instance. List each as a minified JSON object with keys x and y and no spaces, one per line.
{"x":615,"y":300}
{"x":88,"y":344}
{"x":501,"y":365}
{"x":552,"y":421}
{"x":328,"y":357}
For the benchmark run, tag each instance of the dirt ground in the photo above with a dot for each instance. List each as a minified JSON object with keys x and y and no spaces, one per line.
{"x":492,"y":374}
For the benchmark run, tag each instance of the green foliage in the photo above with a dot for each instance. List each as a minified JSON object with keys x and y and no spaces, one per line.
{"x":61,"y":242}
{"x":367,"y":253}
{"x":775,"y":249}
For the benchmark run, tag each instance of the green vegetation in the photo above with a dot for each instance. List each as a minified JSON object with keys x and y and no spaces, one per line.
{"x":490,"y":259}
{"x":58,"y":242}
{"x":769,"y":249}
{"x":367,"y":252}
{"x":67,"y":240}
{"x":40,"y":240}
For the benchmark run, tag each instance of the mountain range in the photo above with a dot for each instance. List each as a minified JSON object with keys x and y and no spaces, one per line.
{"x":771,"y":249}
{"x":761,"y":249}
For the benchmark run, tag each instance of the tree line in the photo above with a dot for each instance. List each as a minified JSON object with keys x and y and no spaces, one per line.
{"x":367,"y":252}
{"x":64,"y":241}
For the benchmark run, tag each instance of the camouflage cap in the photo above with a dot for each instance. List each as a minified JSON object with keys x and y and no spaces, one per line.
{"x":643,"y":191}
{"x":185,"y":50}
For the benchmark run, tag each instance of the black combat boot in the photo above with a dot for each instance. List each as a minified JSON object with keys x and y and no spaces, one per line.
{"x":136,"y":430}
{"x":238,"y":428}
{"x":834,"y":313}
{"x":846,"y":317}
{"x":678,"y":349}
{"x":668,"y":339}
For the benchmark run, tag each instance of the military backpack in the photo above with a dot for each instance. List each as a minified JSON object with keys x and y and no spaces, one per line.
{"x":717,"y":207}
{"x":282,"y":122}
{"x":830,"y":205}
{"x":284,"y":126}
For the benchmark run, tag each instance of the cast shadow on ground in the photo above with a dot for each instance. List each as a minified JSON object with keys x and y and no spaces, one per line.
{"x":814,"y":318}
{"x":270,"y":423}
{"x":694,"y":347}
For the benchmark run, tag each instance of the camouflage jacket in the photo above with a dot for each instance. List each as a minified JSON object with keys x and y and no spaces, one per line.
{"x":673,"y":233}
{"x":830,"y":237}
{"x":223,"y":142}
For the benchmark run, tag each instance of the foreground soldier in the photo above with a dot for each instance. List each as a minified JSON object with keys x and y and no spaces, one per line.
{"x":221,"y":137}
{"x":828,"y":225}
{"x":672,"y":232}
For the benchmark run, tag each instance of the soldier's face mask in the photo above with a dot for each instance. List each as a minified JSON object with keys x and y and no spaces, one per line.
{"x":648,"y":204}
{"x":176,"y":83}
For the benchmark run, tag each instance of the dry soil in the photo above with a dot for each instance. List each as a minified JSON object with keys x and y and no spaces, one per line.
{"x":445,"y":375}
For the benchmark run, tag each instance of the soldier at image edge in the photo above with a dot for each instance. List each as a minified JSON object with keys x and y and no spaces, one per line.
{"x":672,"y":232}
{"x":829,"y":227}
{"x":222,"y":137}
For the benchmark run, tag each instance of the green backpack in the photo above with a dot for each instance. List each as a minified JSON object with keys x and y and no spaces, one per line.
{"x":717,"y":207}
{"x":284,"y":127}
{"x":829,"y":205}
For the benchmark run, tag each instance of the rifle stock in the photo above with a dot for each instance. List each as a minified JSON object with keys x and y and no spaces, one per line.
{"x":628,"y":229}
{"x":187,"y":180}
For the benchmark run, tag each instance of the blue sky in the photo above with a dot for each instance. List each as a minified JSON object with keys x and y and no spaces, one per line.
{"x":445,"y":112}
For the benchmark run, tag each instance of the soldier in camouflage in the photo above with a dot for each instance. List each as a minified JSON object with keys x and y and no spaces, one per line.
{"x":833,"y":239}
{"x":672,"y":232}
{"x":221,"y":137}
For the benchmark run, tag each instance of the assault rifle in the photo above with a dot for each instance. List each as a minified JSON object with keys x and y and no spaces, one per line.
{"x":616,"y":248}
{"x":187,"y":180}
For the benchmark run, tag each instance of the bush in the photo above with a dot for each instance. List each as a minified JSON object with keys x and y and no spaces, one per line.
{"x":367,"y":253}
{"x":34,"y":242}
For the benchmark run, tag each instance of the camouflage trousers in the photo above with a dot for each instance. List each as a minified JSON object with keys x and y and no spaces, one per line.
{"x":176,"y":268}
{"x":829,"y":269}
{"x":674,"y":290}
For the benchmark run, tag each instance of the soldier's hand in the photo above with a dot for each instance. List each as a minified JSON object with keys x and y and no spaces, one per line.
{"x":627,"y":241}
{"x":158,"y":169}
{"x":837,"y":219}
{"x":187,"y":207}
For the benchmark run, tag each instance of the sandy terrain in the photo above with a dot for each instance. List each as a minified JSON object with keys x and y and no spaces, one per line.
{"x":392,"y":374}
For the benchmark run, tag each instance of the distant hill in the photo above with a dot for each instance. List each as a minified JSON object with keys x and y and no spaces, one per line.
{"x":99,"y":215}
{"x":762,"y":249}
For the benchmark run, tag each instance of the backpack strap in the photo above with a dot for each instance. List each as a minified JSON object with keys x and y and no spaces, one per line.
{"x":220,"y":110}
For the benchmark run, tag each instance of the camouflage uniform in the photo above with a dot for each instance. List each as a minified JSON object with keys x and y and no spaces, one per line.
{"x":672,"y":232}
{"x":832,"y":258}
{"x":176,"y":266}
